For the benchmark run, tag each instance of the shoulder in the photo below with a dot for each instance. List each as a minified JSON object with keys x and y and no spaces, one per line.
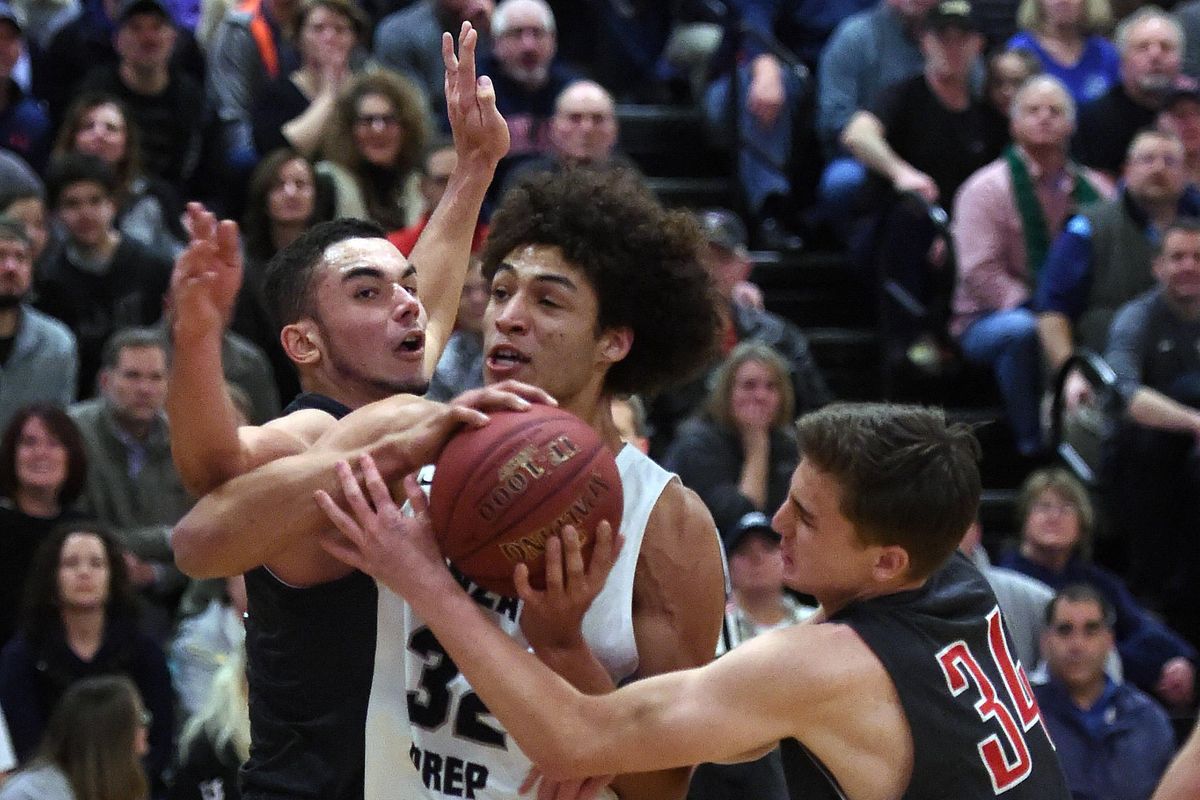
{"x":86,"y":412}
{"x":38,"y":783}
{"x":990,"y":179}
{"x":51,"y":332}
{"x":1136,"y":313}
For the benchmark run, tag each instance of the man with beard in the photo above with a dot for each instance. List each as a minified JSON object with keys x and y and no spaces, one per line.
{"x":1103,"y":257}
{"x":38,"y":361}
{"x":1151,"y":45}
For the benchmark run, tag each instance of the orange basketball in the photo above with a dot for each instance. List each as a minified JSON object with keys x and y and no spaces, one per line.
{"x":501,"y":490}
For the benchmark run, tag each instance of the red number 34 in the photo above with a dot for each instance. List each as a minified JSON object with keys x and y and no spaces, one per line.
{"x":1006,"y":767}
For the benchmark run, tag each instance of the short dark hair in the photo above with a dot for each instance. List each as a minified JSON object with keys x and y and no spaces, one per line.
{"x":288,"y":279}
{"x":42,"y":616}
{"x":128,"y":338}
{"x":72,"y":168}
{"x":907,"y":477}
{"x":1081,"y":593}
{"x":641,"y":259}
{"x":1180,"y":224}
{"x":62,"y":428}
{"x":12,"y":230}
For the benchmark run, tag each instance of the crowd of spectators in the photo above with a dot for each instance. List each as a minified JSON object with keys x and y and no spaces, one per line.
{"x":1012,"y":180}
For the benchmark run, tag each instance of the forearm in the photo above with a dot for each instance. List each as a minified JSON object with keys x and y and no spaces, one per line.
{"x":752,"y":482}
{"x":305,"y":131}
{"x":443,"y":251}
{"x":246,"y":521}
{"x":864,"y":139}
{"x":204,"y":421}
{"x":1054,"y":332}
{"x":1155,"y":410}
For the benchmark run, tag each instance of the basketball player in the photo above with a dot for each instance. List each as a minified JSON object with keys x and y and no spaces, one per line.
{"x":906,"y":687}
{"x":596,"y":291}
{"x":358,"y":334}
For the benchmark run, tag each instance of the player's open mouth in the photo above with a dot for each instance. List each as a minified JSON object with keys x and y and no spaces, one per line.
{"x":413,"y":343}
{"x":506,"y":357}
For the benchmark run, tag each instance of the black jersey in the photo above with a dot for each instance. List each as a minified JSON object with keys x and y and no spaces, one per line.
{"x":309,"y":657}
{"x":976,"y":729}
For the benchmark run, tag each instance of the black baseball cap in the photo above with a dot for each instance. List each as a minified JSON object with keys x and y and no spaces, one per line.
{"x":952,"y":14}
{"x":131,"y":7}
{"x":753,"y":523}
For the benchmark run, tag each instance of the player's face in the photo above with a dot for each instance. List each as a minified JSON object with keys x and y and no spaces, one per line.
{"x":370,"y":324}
{"x":1076,"y":643}
{"x":822,"y":552}
{"x":41,"y":459}
{"x":83,"y":572}
{"x":540,"y":327}
{"x":1052,"y":524}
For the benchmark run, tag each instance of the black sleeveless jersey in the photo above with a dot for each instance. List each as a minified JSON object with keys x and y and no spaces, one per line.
{"x":977,"y":732}
{"x":309,"y":658}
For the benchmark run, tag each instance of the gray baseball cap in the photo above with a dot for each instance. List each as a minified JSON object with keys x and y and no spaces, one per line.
{"x":722,"y":227}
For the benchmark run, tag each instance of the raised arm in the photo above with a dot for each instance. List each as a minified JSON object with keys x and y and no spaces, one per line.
{"x":481,"y":139}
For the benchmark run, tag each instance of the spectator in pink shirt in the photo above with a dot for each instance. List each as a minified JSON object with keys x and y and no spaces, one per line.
{"x":1005,"y":217}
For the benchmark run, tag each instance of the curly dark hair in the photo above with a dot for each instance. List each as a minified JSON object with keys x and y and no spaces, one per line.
{"x":42,"y":615}
{"x":62,"y":428}
{"x":641,"y":259}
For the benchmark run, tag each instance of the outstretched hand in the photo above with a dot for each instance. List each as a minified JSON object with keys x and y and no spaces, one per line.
{"x":207,"y":275}
{"x":553,"y":618}
{"x":479,"y":130}
{"x":376,"y":536}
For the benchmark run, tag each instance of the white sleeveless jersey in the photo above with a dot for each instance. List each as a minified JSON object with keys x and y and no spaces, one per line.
{"x":428,"y":734}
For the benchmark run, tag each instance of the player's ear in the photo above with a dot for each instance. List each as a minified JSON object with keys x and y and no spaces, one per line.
{"x":614,"y":344}
{"x":301,"y":341}
{"x":891,"y":562}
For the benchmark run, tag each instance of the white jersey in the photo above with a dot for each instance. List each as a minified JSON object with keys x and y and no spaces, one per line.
{"x":423,"y":713}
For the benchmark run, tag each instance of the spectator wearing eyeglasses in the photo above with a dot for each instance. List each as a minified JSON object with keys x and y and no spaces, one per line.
{"x":373,"y":148}
{"x":1112,"y":739}
{"x":1056,"y":524}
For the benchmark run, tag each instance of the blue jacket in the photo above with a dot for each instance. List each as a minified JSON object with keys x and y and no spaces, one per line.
{"x":1124,"y":753}
{"x":1145,"y":644}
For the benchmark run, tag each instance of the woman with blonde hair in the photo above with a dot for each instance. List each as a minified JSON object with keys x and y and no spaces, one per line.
{"x":92,"y":747}
{"x":216,"y":741}
{"x":373,"y":149}
{"x":739,"y":453}
{"x":1066,"y":36}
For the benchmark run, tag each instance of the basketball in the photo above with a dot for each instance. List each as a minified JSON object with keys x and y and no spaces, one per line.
{"x":501,"y":490}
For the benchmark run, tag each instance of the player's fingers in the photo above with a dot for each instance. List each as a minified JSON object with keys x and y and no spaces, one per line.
{"x":467,"y":39}
{"x":525,"y":590}
{"x":605,"y":550}
{"x":526,"y":391}
{"x":531,"y":779}
{"x":380,"y":496}
{"x":340,"y":548}
{"x":417,"y":499}
{"x":573,"y":556}
{"x":448,"y":58}
{"x":354,"y":496}
{"x":554,"y":565}
{"x":471,"y":417}
{"x":340,"y":519}
{"x":227,"y":240}
{"x":592,"y":787}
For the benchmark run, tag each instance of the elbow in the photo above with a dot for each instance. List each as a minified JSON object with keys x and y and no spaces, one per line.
{"x":193,"y":555}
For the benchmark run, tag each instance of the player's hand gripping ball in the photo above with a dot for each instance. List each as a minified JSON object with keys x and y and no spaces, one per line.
{"x":501,"y":490}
